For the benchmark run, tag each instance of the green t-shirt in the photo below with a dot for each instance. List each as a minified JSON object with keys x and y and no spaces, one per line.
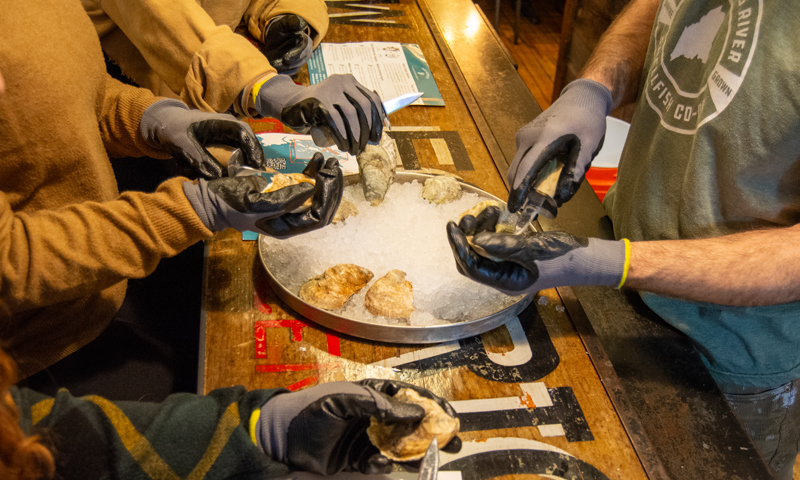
{"x":714,"y":149}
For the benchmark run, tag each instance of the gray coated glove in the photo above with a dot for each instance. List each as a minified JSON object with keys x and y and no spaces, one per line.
{"x":517,"y":264}
{"x":338,"y":108}
{"x":238,"y":202}
{"x":287,"y":43}
{"x":572,"y":129}
{"x":323,"y":429}
{"x":172,"y":126}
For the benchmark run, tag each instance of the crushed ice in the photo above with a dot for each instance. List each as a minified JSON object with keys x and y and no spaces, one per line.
{"x":405,"y":232}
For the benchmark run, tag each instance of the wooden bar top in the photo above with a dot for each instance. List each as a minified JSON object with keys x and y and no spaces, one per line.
{"x":531,"y":395}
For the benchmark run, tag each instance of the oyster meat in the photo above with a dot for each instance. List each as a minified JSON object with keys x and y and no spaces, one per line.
{"x":377,"y":173}
{"x":441,"y":190}
{"x":391,"y":296}
{"x":335,"y":286}
{"x":403,"y":442}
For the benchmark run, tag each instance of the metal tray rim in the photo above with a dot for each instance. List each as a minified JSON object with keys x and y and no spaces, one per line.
{"x":397,"y":333}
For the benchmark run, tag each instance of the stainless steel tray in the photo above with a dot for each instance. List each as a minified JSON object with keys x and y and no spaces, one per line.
{"x":397,"y":333}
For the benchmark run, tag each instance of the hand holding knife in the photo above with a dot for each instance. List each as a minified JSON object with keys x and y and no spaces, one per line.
{"x":389,"y":106}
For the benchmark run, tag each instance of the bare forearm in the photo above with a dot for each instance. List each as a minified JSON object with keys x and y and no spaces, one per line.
{"x":747,"y":269}
{"x":618,"y":59}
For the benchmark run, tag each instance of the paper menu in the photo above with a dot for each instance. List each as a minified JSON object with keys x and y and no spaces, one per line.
{"x":290,"y":153}
{"x":389,"y":68}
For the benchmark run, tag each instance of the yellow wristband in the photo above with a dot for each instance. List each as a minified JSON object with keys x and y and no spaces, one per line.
{"x":253,"y":420}
{"x":627,"y":262}
{"x":257,"y":87}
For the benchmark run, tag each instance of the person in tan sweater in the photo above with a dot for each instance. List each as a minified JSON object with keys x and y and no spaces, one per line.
{"x":188,"y":49}
{"x":68,"y":240}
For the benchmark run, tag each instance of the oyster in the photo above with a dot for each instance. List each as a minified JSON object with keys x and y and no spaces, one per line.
{"x":335,"y":286}
{"x":506,"y":222}
{"x":377,"y":173}
{"x":441,"y":190}
{"x":391,"y":296}
{"x":282,"y":180}
{"x":346,"y":209}
{"x":402,"y":442}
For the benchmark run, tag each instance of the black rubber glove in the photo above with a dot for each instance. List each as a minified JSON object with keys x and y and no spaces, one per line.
{"x":184,"y":133}
{"x":338,"y":108}
{"x":237,"y":202}
{"x":572,"y":129}
{"x":323,"y":429}
{"x":287,"y":43}
{"x":518,"y":264}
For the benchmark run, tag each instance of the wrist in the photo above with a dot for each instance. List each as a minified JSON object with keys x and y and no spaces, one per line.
{"x":600,"y":262}
{"x":273,"y":95}
{"x":157,"y":116}
{"x":589,"y":95}
{"x":199,"y":201}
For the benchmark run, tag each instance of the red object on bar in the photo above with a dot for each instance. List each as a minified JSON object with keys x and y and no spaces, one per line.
{"x":601,"y":180}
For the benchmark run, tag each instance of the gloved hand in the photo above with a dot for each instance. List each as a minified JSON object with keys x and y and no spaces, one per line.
{"x":237,"y":202}
{"x":527,"y":264}
{"x":287,"y":43}
{"x":338,"y":108}
{"x":572,"y":129}
{"x":323,"y":429}
{"x":184,"y":133}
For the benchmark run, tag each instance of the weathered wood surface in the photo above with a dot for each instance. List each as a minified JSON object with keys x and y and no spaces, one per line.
{"x":530,"y":399}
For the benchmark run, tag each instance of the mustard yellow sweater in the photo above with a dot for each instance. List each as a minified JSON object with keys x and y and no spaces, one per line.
{"x":187,"y":49}
{"x":68,"y":240}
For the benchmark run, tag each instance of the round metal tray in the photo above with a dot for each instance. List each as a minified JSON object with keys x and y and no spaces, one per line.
{"x":397,"y":333}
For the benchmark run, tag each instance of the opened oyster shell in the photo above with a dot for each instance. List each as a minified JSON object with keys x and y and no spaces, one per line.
{"x":403,"y":442}
{"x":505,"y":224}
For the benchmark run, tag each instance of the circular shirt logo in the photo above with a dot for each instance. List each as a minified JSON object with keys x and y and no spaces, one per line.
{"x":702,"y":53}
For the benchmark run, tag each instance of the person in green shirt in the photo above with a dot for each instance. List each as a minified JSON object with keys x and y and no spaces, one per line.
{"x":229,"y":433}
{"x":706,"y":208}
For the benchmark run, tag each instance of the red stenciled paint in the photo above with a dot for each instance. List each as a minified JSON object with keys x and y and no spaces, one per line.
{"x":265,"y":351}
{"x":295,"y":367}
{"x":260,"y":293}
{"x":334,"y":346}
{"x":303,"y":383}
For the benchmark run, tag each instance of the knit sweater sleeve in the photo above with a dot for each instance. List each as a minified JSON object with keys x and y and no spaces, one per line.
{"x":184,"y":436}
{"x":120,"y":113}
{"x":208,"y":65}
{"x":50,"y":256}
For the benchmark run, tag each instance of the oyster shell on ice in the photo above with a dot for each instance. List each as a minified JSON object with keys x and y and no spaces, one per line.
{"x":346,"y":209}
{"x":391,"y":296}
{"x":335,"y":286}
{"x":441,"y":190}
{"x":403,"y":442}
{"x":377,"y":173}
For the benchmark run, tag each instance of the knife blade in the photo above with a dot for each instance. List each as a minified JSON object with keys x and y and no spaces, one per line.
{"x":429,"y":467}
{"x":545,"y":186}
{"x":396,"y":103}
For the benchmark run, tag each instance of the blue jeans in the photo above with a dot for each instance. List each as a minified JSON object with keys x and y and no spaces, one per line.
{"x":772,"y":419}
